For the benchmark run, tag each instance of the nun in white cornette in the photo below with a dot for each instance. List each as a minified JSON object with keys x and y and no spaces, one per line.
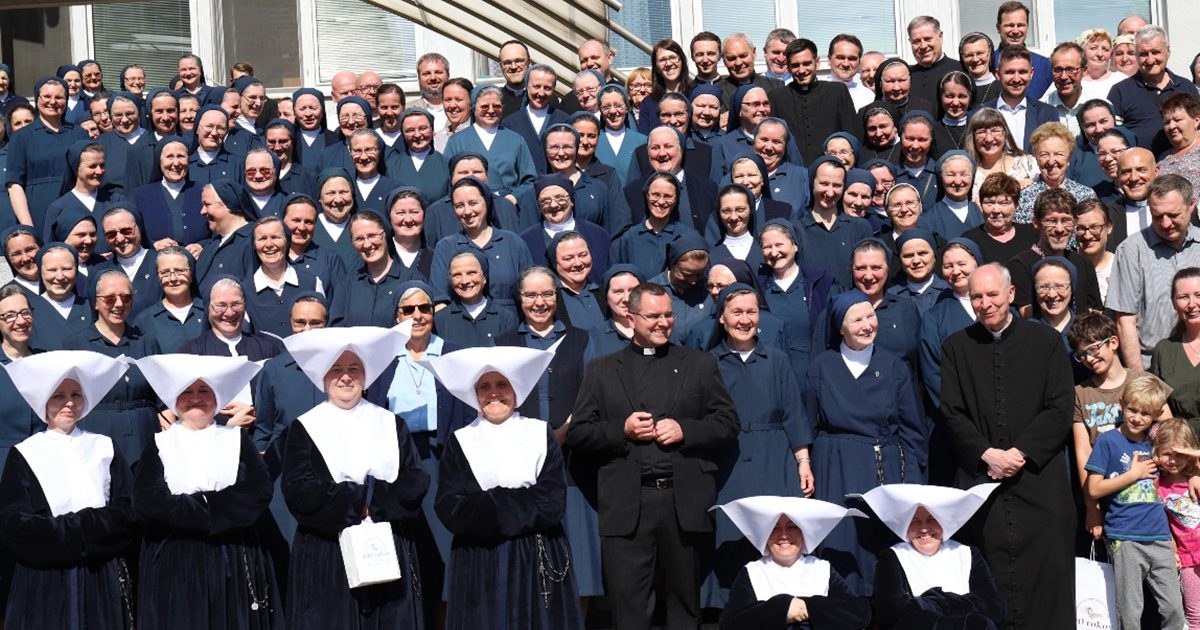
{"x":65,"y":508}
{"x":928,"y":580}
{"x":200,"y":487}
{"x":502,"y":493}
{"x":788,"y":588}
{"x":347,"y":459}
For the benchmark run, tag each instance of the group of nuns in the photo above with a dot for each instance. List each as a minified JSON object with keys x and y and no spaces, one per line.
{"x":177,"y":542}
{"x":236,"y":239}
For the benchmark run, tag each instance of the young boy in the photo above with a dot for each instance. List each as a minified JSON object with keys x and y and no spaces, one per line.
{"x":1093,"y":337}
{"x":1121,"y":474}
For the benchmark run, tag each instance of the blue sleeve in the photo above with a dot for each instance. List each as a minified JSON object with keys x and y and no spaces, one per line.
{"x":15,"y":164}
{"x":526,"y":171}
{"x":618,"y":215}
{"x":439,"y":270}
{"x":796,"y":423}
{"x":1099,"y":459}
{"x":931,"y":358}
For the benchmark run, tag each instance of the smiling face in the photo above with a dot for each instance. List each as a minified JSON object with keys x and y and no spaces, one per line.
{"x":22,"y":256}
{"x":497,"y":400}
{"x":456,"y":101}
{"x":904,"y":208}
{"x":83,"y":238}
{"x":661,"y":198}
{"x":734,"y":213}
{"x":998,"y":211}
{"x":270,"y":243}
{"x":164,"y":114}
{"x":755,"y":107}
{"x":345,"y":381}
{"x":1053,"y":286}
{"x":785,"y":545}
{"x":337,"y":201}
{"x":925,"y":533}
{"x":841,"y":149}
{"x":881,"y":130}
{"x":613,"y":110}
{"x":122,"y":234}
{"x":1067,"y":70}
{"x":58,"y":274}
{"x":706,"y":54}
{"x":915,"y":141}
{"x":991,"y":296}
{"x":573,"y":262}
{"x":1152,"y":58}
{"x":368,"y":238}
{"x":351,"y":118}
{"x":803,"y":67}
{"x":64,"y":406}
{"x":955,"y":100}
{"x":664,"y":150}
{"x":617,"y":295}
{"x":1056,"y":229}
{"x":857,"y":199}
{"x":706,"y":111}
{"x":539,"y":298}
{"x":770,"y":143}
{"x":470,"y":207}
{"x":467,"y":279}
{"x":859,"y":326}
{"x":1136,"y":168}
{"x":1180,"y":127}
{"x":364,"y":151}
{"x":1015,"y":75}
{"x":989,"y":141}
{"x":124,"y":115}
{"x":746,"y":173}
{"x":975,"y":58}
{"x":279,"y":141}
{"x":869,"y":270}
{"x":560,"y":151}
{"x":956,"y":178}
{"x":301,"y":220}
{"x":779,"y":250}
{"x":17,"y":331}
{"x":310,"y":112}
{"x":653,"y":320}
{"x":673,"y":113}
{"x":260,"y":173}
{"x":828,"y":185}
{"x":896,"y":83}
{"x":1096,"y":121}
{"x":917,"y":258}
{"x":226,"y":310}
{"x":418,"y":132}
{"x":1013,"y":27}
{"x":587,"y":88}
{"x":844,"y":60}
{"x":957,"y":266}
{"x":926,"y":42}
{"x":212,"y":128}
{"x":174,"y":275}
{"x":739,"y":58}
{"x":1053,"y":155}
{"x":91,"y":170}
{"x":114,"y":300}
{"x":419,"y":308}
{"x":388,"y":108}
{"x":740,"y":319}
{"x":197,"y":405}
{"x":1092,"y":232}
{"x":1185,"y":297}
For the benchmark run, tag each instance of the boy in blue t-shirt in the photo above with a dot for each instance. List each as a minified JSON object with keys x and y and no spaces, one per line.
{"x":1121,"y":475}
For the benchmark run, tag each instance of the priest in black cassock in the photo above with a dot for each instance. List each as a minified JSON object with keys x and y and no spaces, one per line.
{"x":1007,"y":400}
{"x":813,"y":109}
{"x":655,"y":416}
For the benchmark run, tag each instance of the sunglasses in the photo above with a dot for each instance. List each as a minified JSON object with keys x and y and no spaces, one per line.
{"x":407,"y":311}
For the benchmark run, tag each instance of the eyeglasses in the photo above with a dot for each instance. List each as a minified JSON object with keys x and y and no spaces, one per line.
{"x":556,"y":200}
{"x":352,"y":118}
{"x":990,"y":131}
{"x":409,"y":309}
{"x":1090,"y":352}
{"x":265,"y":171}
{"x":513,"y":63}
{"x":1094,"y":230}
{"x":12,"y":316}
{"x":530,"y":296}
{"x":111,"y":299}
{"x":1114,"y":153}
{"x":221,"y":307}
{"x":660,"y":317}
{"x":364,"y":152}
{"x":167,"y":274}
{"x":1053,"y":287}
{"x":1058,"y":222}
{"x":1066,"y":71}
{"x":613,"y":108}
{"x":370,"y":89}
{"x":661,"y":197}
{"x":365,"y":238}
{"x":489,"y":107}
{"x":756,"y":104}
{"x":307,"y":323}
{"x":126,"y":232}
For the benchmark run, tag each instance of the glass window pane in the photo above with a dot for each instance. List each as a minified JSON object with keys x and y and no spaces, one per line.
{"x":1072,"y":17}
{"x":873,"y":21}
{"x":266,"y":34}
{"x":359,"y":36}
{"x":755,"y":18}
{"x":152,"y":35}
{"x":650,"y":20}
{"x":980,"y":15}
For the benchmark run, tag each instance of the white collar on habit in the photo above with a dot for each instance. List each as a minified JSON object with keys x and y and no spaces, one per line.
{"x":949,"y":568}
{"x":355,"y":443}
{"x":199,"y":461}
{"x":505,"y":455}
{"x":807,"y":577}
{"x":73,"y":470}
{"x":857,"y":360}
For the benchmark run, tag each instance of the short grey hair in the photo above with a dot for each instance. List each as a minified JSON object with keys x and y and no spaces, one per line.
{"x":1149,"y":33}
{"x":1164,"y":185}
{"x":783,"y":35}
{"x":222,"y":283}
{"x":1004,"y":273}
{"x":736,"y":37}
{"x":924,"y":20}
{"x":435,"y":57}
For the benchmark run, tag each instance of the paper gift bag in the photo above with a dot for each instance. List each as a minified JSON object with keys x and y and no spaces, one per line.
{"x":1095,"y":595}
{"x":369,"y":553}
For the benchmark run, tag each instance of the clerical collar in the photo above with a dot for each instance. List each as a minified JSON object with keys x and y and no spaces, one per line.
{"x":647,"y":352}
{"x":1140,"y":203}
{"x":996,"y":335}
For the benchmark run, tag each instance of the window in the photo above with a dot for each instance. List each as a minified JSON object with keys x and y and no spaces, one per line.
{"x":266,"y":34}
{"x":359,"y":36}
{"x":152,"y":35}
{"x":755,"y":18}
{"x":980,"y":15}
{"x":650,"y":20}
{"x":1072,"y":17}
{"x":873,"y":21}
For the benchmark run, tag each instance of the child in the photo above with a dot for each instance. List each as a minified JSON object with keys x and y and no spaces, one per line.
{"x":1093,"y":337}
{"x":1121,"y":475}
{"x":1175,"y":445}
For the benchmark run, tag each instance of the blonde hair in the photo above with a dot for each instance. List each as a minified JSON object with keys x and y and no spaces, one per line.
{"x":1173,"y":433}
{"x":1093,"y":34}
{"x":1146,"y":392}
{"x":1047,"y":131}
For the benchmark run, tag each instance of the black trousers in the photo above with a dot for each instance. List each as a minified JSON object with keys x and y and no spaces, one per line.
{"x":630,"y":563}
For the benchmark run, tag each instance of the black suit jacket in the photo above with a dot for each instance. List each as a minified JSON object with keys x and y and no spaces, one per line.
{"x":704,"y":411}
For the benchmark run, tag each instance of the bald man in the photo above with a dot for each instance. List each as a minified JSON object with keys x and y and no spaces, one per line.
{"x":342,"y":85}
{"x":1129,"y":212}
{"x":593,"y":55}
{"x":1131,"y":25}
{"x":367,"y":86}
